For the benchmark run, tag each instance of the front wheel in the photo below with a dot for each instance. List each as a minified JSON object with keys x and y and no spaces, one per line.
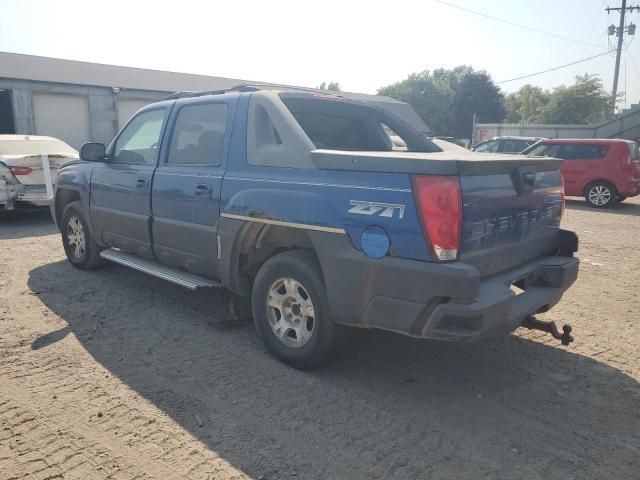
{"x":81,"y":249}
{"x":291,"y":311}
{"x":600,"y":195}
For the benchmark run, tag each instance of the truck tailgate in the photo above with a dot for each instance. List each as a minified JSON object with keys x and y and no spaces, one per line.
{"x":504,"y":226}
{"x":511,"y":204}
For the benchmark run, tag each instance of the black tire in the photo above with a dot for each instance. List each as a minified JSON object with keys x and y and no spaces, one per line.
{"x":600,"y":194}
{"x":86,"y":258}
{"x":302,"y":267}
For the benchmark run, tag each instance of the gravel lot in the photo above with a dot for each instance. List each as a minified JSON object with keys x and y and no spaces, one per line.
{"x":113,"y":374}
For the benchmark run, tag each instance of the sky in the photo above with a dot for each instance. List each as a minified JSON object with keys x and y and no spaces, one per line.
{"x":363,"y":45}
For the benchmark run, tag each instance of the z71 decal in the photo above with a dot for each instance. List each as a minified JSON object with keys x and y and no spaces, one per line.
{"x":388,"y":210}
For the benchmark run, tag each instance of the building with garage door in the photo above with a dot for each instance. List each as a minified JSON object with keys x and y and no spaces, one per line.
{"x":81,"y":102}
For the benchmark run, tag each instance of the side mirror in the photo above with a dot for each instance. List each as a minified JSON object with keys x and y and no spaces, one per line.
{"x":93,"y":152}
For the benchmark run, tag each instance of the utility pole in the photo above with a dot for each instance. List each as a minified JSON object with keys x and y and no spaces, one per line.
{"x":620,"y":31}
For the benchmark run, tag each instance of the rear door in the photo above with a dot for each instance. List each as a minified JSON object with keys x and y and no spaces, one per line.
{"x":187,"y":184}
{"x":582,"y":164}
{"x":120,"y":189}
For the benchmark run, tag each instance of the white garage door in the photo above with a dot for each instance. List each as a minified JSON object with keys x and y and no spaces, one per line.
{"x":127,"y":107}
{"x":62,"y":116}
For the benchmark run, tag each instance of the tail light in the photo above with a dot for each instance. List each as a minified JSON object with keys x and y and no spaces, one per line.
{"x":20,"y":170}
{"x":563,"y":196}
{"x":439,"y":204}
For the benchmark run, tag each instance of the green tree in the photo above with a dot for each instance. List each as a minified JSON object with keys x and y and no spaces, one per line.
{"x":526,"y":104}
{"x":433,"y":95}
{"x":333,"y":86}
{"x":584,"y":102}
{"x":476,"y":94}
{"x":428,"y":95}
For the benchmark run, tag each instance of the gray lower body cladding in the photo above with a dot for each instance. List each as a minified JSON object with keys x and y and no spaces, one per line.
{"x":444,"y":301}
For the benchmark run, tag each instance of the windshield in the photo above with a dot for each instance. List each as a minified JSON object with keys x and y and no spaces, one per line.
{"x":35,"y":146}
{"x":490,"y":146}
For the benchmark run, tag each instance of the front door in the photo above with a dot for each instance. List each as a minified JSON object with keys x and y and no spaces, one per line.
{"x":120,"y":188}
{"x":185,"y":198}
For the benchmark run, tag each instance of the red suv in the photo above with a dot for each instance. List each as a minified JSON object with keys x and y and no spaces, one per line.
{"x":603,"y":171}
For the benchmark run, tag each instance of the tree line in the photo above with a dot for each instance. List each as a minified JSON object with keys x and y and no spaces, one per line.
{"x":447,"y":100}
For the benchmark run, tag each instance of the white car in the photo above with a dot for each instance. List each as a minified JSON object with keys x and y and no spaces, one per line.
{"x":8,"y":188}
{"x":22,"y":181}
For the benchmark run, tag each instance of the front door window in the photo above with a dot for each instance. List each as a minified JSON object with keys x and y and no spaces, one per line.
{"x":138,"y":142}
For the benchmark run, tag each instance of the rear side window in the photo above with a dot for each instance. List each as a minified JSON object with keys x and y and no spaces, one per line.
{"x":634,"y":151}
{"x":396,"y":141}
{"x":340,"y":132}
{"x":570,"y":151}
{"x":514,"y":146}
{"x":341,"y":124}
{"x":198,"y":135}
{"x":543,"y":150}
{"x":580,"y":151}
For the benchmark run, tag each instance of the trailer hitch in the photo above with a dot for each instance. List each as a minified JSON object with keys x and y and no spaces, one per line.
{"x":532,"y":323}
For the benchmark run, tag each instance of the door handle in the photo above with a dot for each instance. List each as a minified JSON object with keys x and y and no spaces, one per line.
{"x":203,"y":190}
{"x":142,"y":183}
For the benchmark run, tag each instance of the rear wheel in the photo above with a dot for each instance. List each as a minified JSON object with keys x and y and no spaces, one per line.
{"x":600,"y":194}
{"x":81,"y":249}
{"x":291,"y":311}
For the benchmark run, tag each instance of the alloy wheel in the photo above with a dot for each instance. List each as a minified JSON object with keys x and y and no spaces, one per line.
{"x":291,"y":312}
{"x":75,"y":237}
{"x":599,"y":195}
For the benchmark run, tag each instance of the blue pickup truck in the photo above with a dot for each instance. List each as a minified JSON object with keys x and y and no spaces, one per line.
{"x":327,"y":213}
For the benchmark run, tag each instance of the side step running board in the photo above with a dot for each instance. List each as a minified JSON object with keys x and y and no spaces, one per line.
{"x":156,"y":269}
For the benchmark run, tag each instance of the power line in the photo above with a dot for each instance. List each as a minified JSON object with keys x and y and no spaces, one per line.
{"x":633,"y":63}
{"x":620,"y":31}
{"x":593,"y":28}
{"x":523,"y":76}
{"x":554,"y":68}
{"x":601,"y":10}
{"x":513,"y":24}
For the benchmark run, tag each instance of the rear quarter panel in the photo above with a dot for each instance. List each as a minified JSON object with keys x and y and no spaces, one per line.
{"x":321,"y":198}
{"x":343,"y":200}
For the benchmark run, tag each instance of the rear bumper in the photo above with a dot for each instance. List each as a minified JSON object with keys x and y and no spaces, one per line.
{"x":497,"y":309}
{"x":34,"y":195}
{"x":443,"y":301}
{"x":630,"y":189}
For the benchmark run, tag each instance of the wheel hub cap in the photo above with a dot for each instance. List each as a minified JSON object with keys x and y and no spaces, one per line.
{"x":599,"y":195}
{"x":75,"y":236}
{"x":290,"y":312}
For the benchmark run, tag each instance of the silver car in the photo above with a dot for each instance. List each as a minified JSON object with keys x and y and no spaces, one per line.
{"x":22,"y":179}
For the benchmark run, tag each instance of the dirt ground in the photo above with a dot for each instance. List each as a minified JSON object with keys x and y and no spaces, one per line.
{"x":113,"y":374}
